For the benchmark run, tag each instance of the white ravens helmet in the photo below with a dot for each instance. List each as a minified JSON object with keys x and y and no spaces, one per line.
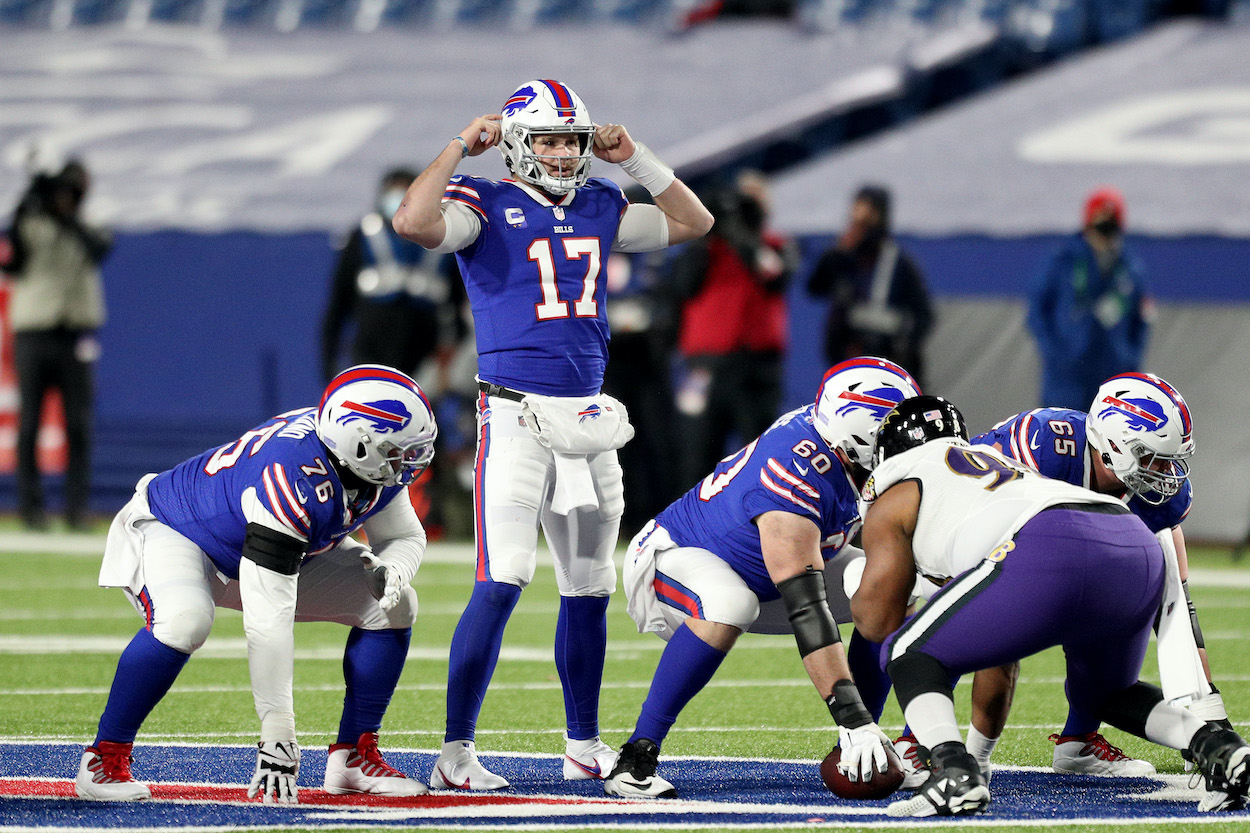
{"x":539,"y":107}
{"x":378,"y":424}
{"x":1141,"y":428}
{"x":853,"y":399}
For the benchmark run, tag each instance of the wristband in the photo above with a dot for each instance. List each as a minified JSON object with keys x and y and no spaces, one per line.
{"x":647,"y":169}
{"x":464,"y":146}
{"x":846,"y":707}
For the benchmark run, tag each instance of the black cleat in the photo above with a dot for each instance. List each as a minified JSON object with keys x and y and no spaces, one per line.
{"x":634,"y":774}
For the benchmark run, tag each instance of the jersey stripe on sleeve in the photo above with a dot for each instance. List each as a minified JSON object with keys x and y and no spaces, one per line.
{"x":793,"y":484}
{"x":286,"y":506}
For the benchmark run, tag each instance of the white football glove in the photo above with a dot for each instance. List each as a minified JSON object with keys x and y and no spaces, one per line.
{"x":863,"y":752}
{"x":277,"y":767}
{"x":387,"y":578}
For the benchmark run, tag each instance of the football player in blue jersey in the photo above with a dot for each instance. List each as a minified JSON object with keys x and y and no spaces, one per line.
{"x":760,"y":527}
{"x":261,"y":525}
{"x":531,"y":251}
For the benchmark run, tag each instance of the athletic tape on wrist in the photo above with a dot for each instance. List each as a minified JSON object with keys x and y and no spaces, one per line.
{"x":647,"y":169}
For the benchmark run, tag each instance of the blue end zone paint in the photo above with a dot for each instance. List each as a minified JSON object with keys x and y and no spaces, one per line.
{"x":725,"y":793}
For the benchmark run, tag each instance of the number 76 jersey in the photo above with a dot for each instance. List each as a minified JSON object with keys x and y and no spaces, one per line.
{"x":535,"y":281}
{"x":789,"y":468}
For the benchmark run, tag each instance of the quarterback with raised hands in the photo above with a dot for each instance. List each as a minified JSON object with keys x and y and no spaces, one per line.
{"x":532,"y":250}
{"x":261,"y":525}
{"x":758,"y":528}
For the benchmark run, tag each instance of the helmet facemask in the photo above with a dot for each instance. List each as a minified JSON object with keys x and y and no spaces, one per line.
{"x":1153,"y":476}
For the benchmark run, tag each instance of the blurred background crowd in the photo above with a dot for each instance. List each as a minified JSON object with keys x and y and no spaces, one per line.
{"x":1014,"y":199}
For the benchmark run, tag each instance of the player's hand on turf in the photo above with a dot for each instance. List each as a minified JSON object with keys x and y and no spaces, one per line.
{"x":863,"y":752}
{"x":612,"y":143}
{"x":482,"y":133}
{"x":277,"y":767}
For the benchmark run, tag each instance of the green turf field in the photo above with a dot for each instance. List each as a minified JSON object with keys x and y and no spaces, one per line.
{"x":60,"y":637}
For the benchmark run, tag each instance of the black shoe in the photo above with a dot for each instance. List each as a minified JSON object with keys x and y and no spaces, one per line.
{"x":35,"y":520}
{"x":1223,"y":758}
{"x":956,"y":786}
{"x":634,"y":774}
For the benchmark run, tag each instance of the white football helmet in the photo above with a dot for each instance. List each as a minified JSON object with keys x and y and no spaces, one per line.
{"x":546,"y":107}
{"x":378,"y":424}
{"x":853,"y":399}
{"x":1141,"y":428}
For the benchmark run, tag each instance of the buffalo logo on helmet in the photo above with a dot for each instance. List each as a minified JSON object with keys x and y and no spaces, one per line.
{"x":518,"y":101}
{"x":1140,"y":414}
{"x":878,"y":401}
{"x":386,"y":416}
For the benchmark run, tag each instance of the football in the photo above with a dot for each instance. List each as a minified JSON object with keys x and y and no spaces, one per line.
{"x":882,"y":784}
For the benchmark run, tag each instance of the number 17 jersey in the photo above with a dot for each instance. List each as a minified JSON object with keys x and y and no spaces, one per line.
{"x":535,"y":281}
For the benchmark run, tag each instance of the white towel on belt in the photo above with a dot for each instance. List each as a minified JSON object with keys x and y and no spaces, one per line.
{"x":1180,"y":666}
{"x":122,"y":565}
{"x":575,"y":486}
{"x":577,"y":424}
{"x":641,"y":603}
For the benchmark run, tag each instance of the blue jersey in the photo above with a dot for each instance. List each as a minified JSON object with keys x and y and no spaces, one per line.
{"x":1053,"y":441}
{"x":789,"y":468}
{"x":535,"y":281}
{"x":282,"y":466}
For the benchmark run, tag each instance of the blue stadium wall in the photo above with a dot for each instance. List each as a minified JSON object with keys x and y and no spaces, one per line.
{"x":210,"y":333}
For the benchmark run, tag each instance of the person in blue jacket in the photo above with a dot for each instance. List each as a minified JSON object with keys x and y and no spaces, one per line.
{"x":1088,"y":309}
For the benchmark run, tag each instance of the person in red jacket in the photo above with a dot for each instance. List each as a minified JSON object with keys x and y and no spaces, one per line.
{"x":732,"y":328}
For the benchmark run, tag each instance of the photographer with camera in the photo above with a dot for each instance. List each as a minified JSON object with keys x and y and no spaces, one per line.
{"x":56,"y":306}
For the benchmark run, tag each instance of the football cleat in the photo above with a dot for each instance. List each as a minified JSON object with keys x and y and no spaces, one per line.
{"x":586,"y":759}
{"x":1093,"y":754}
{"x":1223,"y":759}
{"x":104,"y":774}
{"x":634,"y":774}
{"x":457,"y":768}
{"x":955,"y":787}
{"x":360,"y":768}
{"x":914,"y":757}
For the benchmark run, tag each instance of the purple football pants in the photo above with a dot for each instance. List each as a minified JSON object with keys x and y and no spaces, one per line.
{"x":1087,"y":580}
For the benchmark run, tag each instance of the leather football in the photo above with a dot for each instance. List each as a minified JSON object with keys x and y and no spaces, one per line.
{"x":882,"y":785}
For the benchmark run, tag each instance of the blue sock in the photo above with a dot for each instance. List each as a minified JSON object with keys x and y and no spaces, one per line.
{"x":146,"y":670}
{"x":474,"y":652}
{"x":864,"y":659}
{"x":372,"y":663}
{"x":685,"y":667}
{"x":581,"y":641}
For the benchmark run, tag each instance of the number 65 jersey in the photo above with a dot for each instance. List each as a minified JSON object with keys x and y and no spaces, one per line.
{"x":1053,"y":441}
{"x":973,"y":500}
{"x":788,"y":468}
{"x":535,"y":281}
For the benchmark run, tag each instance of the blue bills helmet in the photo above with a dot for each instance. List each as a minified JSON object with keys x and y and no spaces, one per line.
{"x":546,"y":107}
{"x":1141,"y":428}
{"x":378,"y":424}
{"x":853,"y":398}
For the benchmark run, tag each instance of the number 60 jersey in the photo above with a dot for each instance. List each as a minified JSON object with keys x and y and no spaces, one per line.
{"x":973,"y":500}
{"x":535,"y":281}
{"x":789,"y":468}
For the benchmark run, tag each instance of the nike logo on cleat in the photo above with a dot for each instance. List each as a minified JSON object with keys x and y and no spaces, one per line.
{"x":595,"y":770}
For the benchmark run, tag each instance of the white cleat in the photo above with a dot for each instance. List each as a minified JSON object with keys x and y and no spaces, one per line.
{"x":457,"y":768}
{"x":360,"y":768}
{"x":104,"y":774}
{"x":1092,"y":754}
{"x":587,"y":759}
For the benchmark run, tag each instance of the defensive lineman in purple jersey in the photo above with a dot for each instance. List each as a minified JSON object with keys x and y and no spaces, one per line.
{"x":260,"y":525}
{"x":1134,"y":444}
{"x":532,"y":251}
{"x":759,"y":527}
{"x":1046,"y":562}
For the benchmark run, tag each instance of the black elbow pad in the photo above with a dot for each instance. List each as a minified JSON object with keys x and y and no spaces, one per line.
{"x":808,"y":606}
{"x":272,"y":550}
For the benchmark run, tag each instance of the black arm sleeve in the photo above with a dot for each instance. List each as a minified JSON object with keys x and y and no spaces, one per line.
{"x":808,"y":606}
{"x":273,"y":550}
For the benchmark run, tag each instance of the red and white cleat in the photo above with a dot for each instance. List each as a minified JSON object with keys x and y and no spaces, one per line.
{"x":360,"y":768}
{"x":104,"y":774}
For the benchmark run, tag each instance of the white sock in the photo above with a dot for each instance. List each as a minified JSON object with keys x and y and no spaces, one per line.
{"x":932,"y":719}
{"x":980,"y":746}
{"x":1169,"y":726}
